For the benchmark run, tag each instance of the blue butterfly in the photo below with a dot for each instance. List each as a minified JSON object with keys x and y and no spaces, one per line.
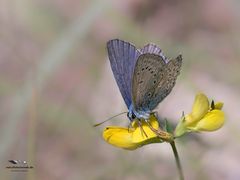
{"x":144,"y":76}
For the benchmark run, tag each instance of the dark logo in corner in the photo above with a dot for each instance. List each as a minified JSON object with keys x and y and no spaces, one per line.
{"x":19,"y":166}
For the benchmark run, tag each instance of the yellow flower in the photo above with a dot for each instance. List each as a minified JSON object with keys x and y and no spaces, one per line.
{"x":202,"y":118}
{"x":132,"y":138}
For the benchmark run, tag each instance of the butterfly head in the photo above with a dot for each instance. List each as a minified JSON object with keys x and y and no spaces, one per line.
{"x":131,"y":116}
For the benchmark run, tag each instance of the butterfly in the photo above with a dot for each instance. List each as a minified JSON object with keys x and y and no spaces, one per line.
{"x":144,"y":76}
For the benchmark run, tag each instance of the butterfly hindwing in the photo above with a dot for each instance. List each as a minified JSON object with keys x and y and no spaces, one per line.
{"x":167,"y":83}
{"x":148,"y":72}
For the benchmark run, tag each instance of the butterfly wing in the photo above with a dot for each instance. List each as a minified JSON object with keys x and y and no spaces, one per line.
{"x":153,"y":49}
{"x":153,"y":80}
{"x":167,"y":83}
{"x":148,"y":72}
{"x":123,"y":57}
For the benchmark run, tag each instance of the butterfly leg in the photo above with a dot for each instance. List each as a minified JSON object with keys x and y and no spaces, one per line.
{"x":142,"y":130}
{"x":155,"y":113}
{"x":129,"y":127}
{"x":163,"y":135}
{"x":158,"y":132}
{"x":152,"y":128}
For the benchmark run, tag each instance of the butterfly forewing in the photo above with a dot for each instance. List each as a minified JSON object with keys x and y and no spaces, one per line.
{"x":148,"y":72}
{"x":123,"y":56}
{"x":166,"y":84}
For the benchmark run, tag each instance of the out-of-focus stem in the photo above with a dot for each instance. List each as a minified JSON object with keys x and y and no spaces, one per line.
{"x":179,"y":167}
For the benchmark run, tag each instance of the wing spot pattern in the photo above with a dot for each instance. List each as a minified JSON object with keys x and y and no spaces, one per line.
{"x":154,"y":79}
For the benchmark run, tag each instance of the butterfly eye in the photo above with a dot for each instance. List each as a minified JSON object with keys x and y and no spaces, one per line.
{"x":133,"y":116}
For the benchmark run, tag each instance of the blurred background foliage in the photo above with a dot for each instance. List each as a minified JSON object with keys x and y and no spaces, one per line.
{"x":55,"y":82}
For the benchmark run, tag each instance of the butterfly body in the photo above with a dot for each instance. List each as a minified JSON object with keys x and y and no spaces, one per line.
{"x":144,"y":76}
{"x":140,"y":114}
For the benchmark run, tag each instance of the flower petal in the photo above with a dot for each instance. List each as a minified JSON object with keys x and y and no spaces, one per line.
{"x":218,"y":105}
{"x":200,"y":108}
{"x":119,"y":137}
{"x":132,"y":138}
{"x":211,"y":122}
{"x":139,"y":136}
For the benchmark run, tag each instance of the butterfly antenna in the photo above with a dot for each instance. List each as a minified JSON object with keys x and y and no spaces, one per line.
{"x":98,"y":124}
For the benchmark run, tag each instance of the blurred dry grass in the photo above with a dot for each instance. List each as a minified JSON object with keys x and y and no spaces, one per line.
{"x":55,"y":82}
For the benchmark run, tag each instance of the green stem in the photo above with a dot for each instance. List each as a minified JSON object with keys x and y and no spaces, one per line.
{"x":180,"y":171}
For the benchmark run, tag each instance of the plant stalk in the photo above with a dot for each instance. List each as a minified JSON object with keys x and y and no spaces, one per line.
{"x":179,"y":167}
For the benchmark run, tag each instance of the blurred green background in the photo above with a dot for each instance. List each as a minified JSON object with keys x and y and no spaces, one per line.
{"x":56,"y":81}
